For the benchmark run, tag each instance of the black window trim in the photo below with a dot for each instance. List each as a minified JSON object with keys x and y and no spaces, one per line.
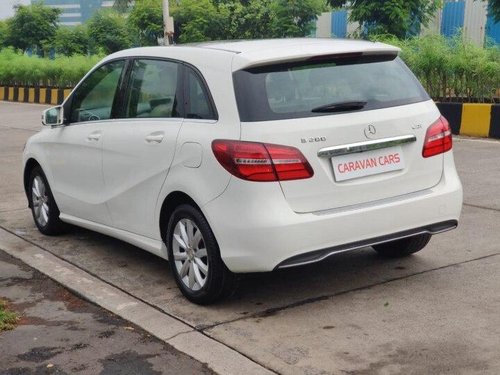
{"x":118,"y":108}
{"x":204,"y":87}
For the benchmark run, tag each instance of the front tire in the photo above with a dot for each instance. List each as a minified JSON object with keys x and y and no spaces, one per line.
{"x":403,"y":247}
{"x":194,"y":258}
{"x":43,"y":206}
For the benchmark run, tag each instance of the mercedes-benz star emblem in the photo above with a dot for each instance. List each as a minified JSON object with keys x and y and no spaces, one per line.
{"x":370,"y":131}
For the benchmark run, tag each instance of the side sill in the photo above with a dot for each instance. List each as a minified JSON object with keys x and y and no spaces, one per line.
{"x":153,"y":246}
{"x":319,"y":255}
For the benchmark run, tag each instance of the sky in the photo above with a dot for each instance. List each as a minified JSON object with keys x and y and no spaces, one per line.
{"x":6,"y":10}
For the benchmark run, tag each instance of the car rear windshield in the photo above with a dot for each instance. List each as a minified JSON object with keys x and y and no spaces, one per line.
{"x":325,"y":86}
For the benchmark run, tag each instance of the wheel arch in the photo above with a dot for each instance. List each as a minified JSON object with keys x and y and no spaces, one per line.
{"x":31,"y":163}
{"x":170,"y":203}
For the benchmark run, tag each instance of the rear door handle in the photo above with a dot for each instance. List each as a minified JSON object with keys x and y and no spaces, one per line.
{"x":94,"y":137}
{"x":155,"y":138}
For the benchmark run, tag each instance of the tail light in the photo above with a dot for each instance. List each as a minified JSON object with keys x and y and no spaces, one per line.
{"x":261,"y":161}
{"x":438,"y":138}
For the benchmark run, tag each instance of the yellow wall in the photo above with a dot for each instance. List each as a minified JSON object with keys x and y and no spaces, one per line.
{"x":20,"y":94}
{"x":31,"y":95}
{"x":476,"y":120}
{"x":43,"y":96}
{"x":53,"y":96}
{"x":11,"y":93}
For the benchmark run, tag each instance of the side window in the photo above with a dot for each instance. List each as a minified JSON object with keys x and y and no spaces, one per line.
{"x":152,"y":89}
{"x":94,"y":98}
{"x":197,"y":100}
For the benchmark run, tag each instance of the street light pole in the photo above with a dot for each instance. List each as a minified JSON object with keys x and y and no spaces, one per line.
{"x":168,"y":25}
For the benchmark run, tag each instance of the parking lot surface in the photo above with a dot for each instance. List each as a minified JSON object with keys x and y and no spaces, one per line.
{"x":434,"y":312}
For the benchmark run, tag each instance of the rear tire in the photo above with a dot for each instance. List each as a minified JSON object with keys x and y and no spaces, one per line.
{"x":404,"y":247}
{"x":43,"y":205}
{"x":194,"y":258}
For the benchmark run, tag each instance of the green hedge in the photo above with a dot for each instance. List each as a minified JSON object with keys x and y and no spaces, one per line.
{"x":452,"y":69}
{"x":22,"y":70}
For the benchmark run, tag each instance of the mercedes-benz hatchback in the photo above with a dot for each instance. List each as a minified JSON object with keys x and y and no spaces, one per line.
{"x":247,"y":156}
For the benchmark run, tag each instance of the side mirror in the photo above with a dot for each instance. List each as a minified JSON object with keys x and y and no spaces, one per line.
{"x":53,"y":116}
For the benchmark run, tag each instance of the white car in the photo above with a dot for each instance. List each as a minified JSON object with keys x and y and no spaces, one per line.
{"x":247,"y":156}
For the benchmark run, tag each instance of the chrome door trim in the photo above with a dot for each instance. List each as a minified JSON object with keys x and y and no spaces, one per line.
{"x":375,"y":144}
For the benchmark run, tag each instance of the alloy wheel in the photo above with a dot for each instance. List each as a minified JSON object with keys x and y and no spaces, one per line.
{"x":40,"y":201}
{"x":190,"y":254}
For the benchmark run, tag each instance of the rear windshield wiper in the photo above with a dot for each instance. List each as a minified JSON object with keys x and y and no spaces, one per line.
{"x":340,"y":107}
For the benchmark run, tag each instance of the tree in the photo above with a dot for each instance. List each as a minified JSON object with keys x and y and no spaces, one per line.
{"x":494,"y":9}
{"x":395,"y":17}
{"x":243,"y":20}
{"x":198,"y":20}
{"x":4,"y":29}
{"x":72,"y":40}
{"x":122,"y":5}
{"x":108,"y":30}
{"x":32,"y":26}
{"x":295,"y":18}
{"x":255,"y":20}
{"x":146,"y":18}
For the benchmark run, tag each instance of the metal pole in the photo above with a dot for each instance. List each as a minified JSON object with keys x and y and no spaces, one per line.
{"x":168,"y":24}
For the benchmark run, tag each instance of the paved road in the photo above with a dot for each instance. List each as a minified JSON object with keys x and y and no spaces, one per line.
{"x":59,"y":333}
{"x":435,"y":312}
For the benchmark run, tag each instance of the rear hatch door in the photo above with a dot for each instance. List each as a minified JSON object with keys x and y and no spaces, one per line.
{"x":360,"y":122}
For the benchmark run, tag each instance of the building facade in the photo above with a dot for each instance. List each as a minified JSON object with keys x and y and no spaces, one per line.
{"x":76,"y":12}
{"x":469,"y":16}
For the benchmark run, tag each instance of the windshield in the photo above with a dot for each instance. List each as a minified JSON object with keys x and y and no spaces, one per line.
{"x":298,"y":90}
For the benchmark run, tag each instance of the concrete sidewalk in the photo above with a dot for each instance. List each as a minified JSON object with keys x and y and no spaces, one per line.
{"x":59,"y":333}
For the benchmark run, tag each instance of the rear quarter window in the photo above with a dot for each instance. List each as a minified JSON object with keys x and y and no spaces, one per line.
{"x":287,"y":91}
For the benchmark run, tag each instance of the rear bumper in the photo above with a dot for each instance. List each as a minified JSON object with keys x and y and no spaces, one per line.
{"x":257,"y":231}
{"x":319,"y":255}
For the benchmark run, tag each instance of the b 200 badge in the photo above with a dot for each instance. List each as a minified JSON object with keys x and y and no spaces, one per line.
{"x":313,"y":139}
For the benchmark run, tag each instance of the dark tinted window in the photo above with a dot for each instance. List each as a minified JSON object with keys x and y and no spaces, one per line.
{"x":293,"y":90}
{"x":152,"y":91}
{"x":198,"y":104}
{"x":93,"y":100}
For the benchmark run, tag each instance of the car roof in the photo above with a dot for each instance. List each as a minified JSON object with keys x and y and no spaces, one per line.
{"x":249,"y":53}
{"x":263,"y":45}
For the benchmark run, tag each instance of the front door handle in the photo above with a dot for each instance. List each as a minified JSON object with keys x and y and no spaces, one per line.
{"x":155,"y":137}
{"x":94,"y":137}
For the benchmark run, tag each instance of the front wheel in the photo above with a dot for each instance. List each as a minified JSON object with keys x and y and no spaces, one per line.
{"x":403,"y":247}
{"x":194,"y":257}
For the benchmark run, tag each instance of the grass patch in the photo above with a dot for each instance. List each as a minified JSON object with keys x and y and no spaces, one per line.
{"x":8,"y":319}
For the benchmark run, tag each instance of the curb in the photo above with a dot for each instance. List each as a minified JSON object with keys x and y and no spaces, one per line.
{"x":34,"y":94}
{"x":474,"y":120}
{"x":219,"y":357}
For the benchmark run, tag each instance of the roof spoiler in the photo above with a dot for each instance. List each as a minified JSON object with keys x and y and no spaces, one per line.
{"x":243,"y":62}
